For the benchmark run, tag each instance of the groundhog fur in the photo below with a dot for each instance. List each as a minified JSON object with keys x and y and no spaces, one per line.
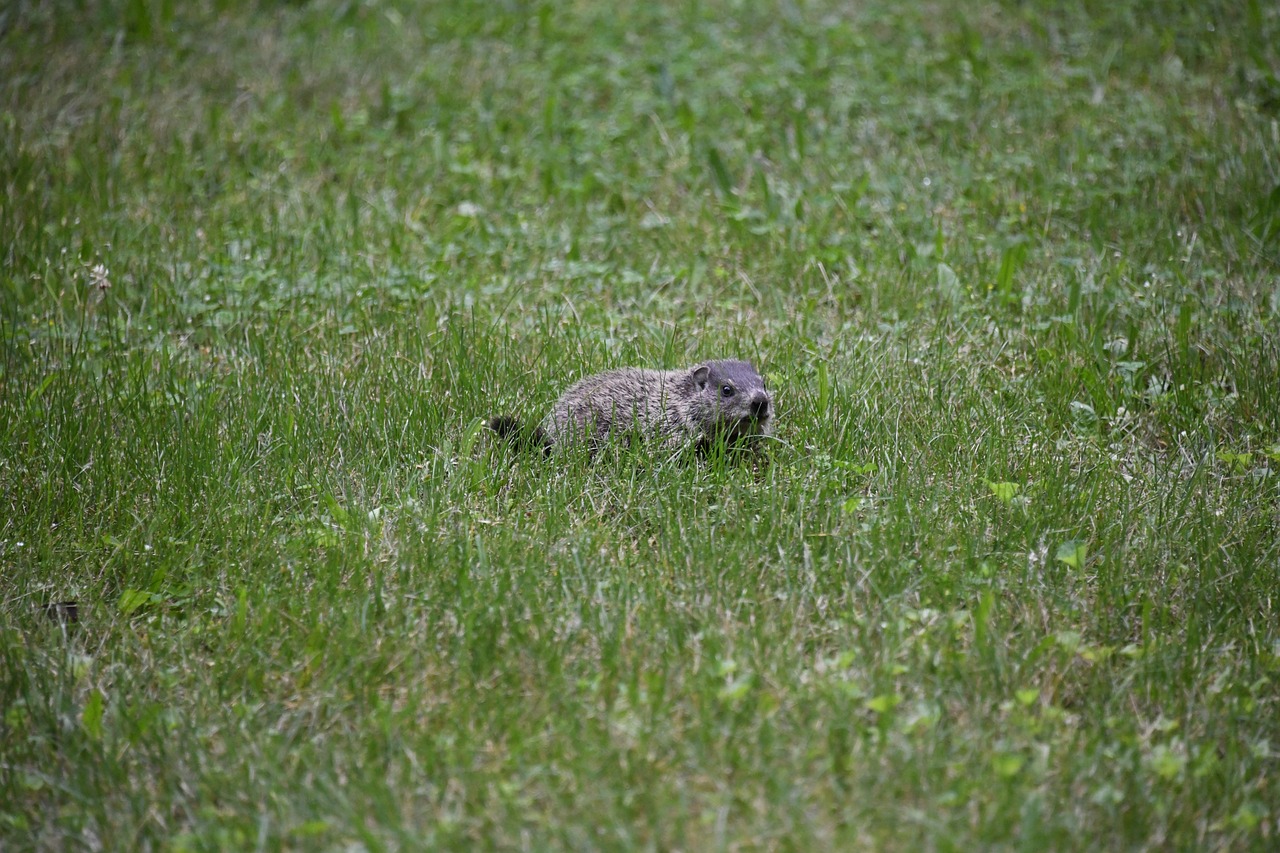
{"x":696,"y":406}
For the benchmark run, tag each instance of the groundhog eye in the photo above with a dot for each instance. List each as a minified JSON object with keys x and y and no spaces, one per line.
{"x":726,"y":390}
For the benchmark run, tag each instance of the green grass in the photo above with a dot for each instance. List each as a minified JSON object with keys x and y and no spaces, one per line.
{"x":1007,"y":578}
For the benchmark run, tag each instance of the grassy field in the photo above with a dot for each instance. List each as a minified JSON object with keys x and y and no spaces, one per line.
{"x":1008,"y":577}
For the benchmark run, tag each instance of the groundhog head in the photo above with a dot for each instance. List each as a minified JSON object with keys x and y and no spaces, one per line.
{"x":732,"y":398}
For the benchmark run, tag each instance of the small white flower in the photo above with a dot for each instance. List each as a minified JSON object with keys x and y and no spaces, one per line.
{"x":99,"y":277}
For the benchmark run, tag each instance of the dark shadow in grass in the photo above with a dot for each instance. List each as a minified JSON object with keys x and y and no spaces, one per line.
{"x":62,"y":612}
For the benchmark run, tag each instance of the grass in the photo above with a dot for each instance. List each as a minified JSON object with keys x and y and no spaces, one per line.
{"x":1006,"y":579}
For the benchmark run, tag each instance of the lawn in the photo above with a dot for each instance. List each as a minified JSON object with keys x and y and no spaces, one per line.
{"x":1007,"y":575}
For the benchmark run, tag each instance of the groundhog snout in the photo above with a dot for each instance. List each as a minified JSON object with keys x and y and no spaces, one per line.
{"x":760,"y":406}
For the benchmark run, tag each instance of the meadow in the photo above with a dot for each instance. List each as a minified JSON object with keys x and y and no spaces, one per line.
{"x":1006,"y":577}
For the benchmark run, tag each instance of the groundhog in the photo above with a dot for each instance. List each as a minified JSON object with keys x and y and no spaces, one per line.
{"x":696,"y":406}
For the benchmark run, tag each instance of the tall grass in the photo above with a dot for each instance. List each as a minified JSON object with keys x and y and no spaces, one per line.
{"x":1006,"y":578}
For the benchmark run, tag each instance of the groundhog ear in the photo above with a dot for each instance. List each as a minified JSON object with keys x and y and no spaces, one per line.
{"x":700,"y":375}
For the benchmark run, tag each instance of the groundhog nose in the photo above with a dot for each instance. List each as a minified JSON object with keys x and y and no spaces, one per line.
{"x":760,"y":407}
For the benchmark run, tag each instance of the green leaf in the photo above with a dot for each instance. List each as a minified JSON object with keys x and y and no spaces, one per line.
{"x":132,"y":600}
{"x":1007,"y":764}
{"x":41,"y":388}
{"x":982,"y":618}
{"x":1182,"y":331}
{"x":1084,"y":414}
{"x":310,"y":829}
{"x":336,"y":510}
{"x":1239,"y":461}
{"x":91,"y":716}
{"x":1010,"y":261}
{"x":470,"y":436}
{"x":1072,"y":552}
{"x":737,"y":688}
{"x":719,"y":171}
{"x":884,"y":703}
{"x":1093,"y":654}
{"x":856,"y":467}
{"x":1166,"y":763}
{"x":1004,"y":491}
{"x":1068,"y":641}
{"x":1248,"y":816}
{"x":824,"y":388}
{"x":241,"y":617}
{"x":1027,"y":697}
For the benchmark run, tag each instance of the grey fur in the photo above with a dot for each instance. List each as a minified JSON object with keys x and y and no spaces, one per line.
{"x":676,"y":407}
